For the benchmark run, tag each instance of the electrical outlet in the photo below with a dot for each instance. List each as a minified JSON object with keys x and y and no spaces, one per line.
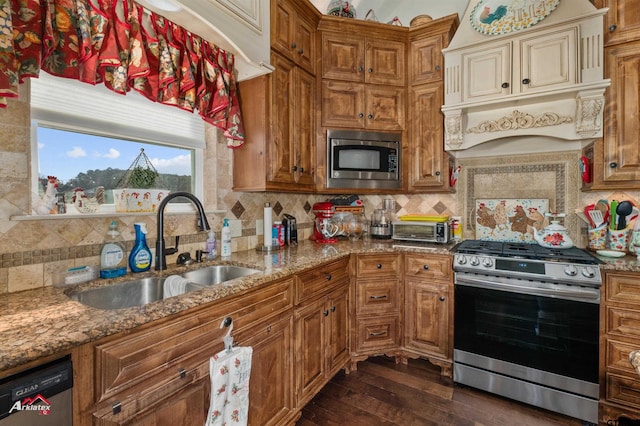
{"x":259,"y":227}
{"x":236,"y":228}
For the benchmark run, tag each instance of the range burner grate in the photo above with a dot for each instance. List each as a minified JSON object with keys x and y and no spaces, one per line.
{"x":526,"y":251}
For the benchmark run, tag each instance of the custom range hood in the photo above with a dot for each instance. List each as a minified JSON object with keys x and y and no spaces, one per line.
{"x":237,"y":26}
{"x":524,"y":76}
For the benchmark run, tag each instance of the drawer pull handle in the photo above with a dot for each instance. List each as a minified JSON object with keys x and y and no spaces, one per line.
{"x":116,"y":407}
{"x":183,"y":373}
{"x":326,"y":313}
{"x":384,"y":296}
{"x":328,"y":277}
{"x":333,"y":309}
{"x":425,"y":267}
{"x":379,"y":266}
{"x":377,"y":334}
{"x":269,"y":328}
{"x":526,"y":81}
{"x":505,"y":85}
{"x":612,"y":28}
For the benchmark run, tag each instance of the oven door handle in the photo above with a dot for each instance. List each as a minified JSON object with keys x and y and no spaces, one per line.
{"x":585,"y":295}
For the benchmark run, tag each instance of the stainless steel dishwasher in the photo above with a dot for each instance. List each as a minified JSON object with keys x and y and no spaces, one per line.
{"x":38,"y":396}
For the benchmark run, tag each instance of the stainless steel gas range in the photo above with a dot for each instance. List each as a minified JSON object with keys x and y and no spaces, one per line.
{"x":527,"y":324}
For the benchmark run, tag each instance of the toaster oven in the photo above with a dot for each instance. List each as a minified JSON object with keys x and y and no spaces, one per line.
{"x":421,"y":231}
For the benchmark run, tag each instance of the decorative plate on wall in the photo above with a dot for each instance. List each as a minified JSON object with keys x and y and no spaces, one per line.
{"x":494,"y":17}
{"x":510,"y":219}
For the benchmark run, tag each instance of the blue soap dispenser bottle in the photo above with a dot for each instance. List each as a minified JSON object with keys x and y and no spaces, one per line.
{"x":140,"y":256}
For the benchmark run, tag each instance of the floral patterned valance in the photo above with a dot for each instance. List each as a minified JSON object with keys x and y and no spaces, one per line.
{"x":124,"y":46}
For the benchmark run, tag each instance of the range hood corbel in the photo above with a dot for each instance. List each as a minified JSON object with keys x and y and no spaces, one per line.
{"x":545,"y":81}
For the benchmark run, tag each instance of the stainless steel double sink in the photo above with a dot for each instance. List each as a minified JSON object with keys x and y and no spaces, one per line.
{"x":141,"y":291}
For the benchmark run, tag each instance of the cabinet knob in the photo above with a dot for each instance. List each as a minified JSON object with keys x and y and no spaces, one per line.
{"x":613,"y":164}
{"x":370,"y":70}
{"x":437,"y":173}
{"x":526,"y":81}
{"x":325,"y":313}
{"x":360,"y":68}
{"x":425,"y":267}
{"x":301,"y":51}
{"x":612,"y":28}
{"x":294,"y":45}
{"x":294,"y":168}
{"x":183,"y":373}
{"x":333,"y":309}
{"x":379,"y":266}
{"x":360,"y":115}
{"x":442,"y":298}
{"x":301,"y":169}
{"x":370,"y":116}
{"x":269,"y":328}
{"x":505,"y":85}
{"x":437,"y":67}
{"x":328,"y":277}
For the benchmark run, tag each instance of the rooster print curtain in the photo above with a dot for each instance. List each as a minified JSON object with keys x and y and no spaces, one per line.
{"x":124,"y":46}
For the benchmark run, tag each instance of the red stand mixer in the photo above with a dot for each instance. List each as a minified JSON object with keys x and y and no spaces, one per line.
{"x":325,"y":229}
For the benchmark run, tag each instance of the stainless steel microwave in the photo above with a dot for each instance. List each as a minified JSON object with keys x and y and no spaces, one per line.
{"x":364,"y":160}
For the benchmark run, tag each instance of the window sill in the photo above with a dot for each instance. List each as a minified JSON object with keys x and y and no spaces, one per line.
{"x":109,"y":211}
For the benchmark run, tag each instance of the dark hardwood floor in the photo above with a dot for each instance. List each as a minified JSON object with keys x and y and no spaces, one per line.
{"x":383,"y":393}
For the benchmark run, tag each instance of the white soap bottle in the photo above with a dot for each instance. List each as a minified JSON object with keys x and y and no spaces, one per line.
{"x":212,"y":246}
{"x":226,"y":239}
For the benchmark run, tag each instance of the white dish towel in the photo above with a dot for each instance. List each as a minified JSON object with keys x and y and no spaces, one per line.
{"x":174,"y":285}
{"x":230,"y":371}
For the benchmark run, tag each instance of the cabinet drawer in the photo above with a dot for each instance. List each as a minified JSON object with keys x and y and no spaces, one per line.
{"x":623,"y":322}
{"x":320,"y":279}
{"x":428,"y":266}
{"x":378,"y":296}
{"x":623,"y":390}
{"x":182,"y":342}
{"x":617,"y":356}
{"x":378,"y":333}
{"x":378,"y":265}
{"x":621,"y":288}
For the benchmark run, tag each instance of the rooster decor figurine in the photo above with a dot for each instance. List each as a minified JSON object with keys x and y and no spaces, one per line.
{"x":83,"y":203}
{"x":46,"y":203}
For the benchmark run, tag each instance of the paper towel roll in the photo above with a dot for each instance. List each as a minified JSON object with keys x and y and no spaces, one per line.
{"x":267,"y":225}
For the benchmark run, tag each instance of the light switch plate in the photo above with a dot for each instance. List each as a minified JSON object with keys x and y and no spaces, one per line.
{"x":259,"y":227}
{"x":236,"y":228}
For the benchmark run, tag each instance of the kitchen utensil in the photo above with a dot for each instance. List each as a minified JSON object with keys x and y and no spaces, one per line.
{"x":587,"y":213}
{"x":596,"y":217}
{"x":603,"y":206}
{"x":613,"y":222}
{"x":624,"y":209}
{"x":610,"y":253}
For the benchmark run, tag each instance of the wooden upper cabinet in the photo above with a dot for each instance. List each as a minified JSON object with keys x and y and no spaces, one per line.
{"x":621,"y":151}
{"x":293,"y":34}
{"x":363,"y":59}
{"x":426,"y":60}
{"x":622,"y":21}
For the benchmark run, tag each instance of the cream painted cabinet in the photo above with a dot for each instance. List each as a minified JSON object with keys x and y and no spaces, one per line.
{"x":524,"y":65}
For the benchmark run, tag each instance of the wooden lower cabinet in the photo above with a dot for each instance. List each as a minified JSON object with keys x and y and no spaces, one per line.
{"x":321,"y":340}
{"x":620,"y":335}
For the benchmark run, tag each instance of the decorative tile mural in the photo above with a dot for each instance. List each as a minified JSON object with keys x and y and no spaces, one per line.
{"x":509,"y":219}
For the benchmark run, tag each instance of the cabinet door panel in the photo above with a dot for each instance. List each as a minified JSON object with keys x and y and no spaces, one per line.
{"x":375,"y":296}
{"x":342,"y":104}
{"x":310,"y":351}
{"x":304,"y":114}
{"x":428,"y":162}
{"x":621,"y":149}
{"x":305,"y":41}
{"x":622,"y":21}
{"x":623,"y":390}
{"x":342,"y":57}
{"x":378,"y":265}
{"x":339,"y":329}
{"x":385,"y":61}
{"x":282,"y":22}
{"x":384,"y":108}
{"x":428,"y":266}
{"x":379,"y":333}
{"x":486,"y":72}
{"x":547,"y":61}
{"x":426,"y":62}
{"x":281,"y":160}
{"x":426,"y":318}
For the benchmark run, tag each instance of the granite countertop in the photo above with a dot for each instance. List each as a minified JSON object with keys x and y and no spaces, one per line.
{"x":45,"y":321}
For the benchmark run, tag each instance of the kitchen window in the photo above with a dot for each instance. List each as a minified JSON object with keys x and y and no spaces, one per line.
{"x":88,"y":129}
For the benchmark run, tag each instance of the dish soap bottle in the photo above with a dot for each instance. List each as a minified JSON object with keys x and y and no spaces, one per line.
{"x":226,"y":239}
{"x":113,"y":262}
{"x":140,"y":256}
{"x":212,"y":246}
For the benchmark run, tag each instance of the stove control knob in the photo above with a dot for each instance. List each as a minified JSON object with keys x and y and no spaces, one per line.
{"x":588,"y":272}
{"x":475,"y":261}
{"x":571,"y":270}
{"x":487,"y":262}
{"x":462,"y":260}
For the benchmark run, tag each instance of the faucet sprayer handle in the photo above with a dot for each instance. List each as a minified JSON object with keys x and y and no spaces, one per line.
{"x":173,"y":250}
